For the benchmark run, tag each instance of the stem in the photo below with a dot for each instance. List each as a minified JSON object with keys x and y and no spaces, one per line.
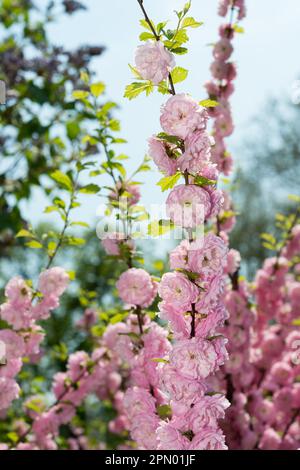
{"x":66,"y":224}
{"x":138,"y":312}
{"x":193,"y":324}
{"x":293,"y":418}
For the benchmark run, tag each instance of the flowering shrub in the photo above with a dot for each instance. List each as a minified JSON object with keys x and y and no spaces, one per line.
{"x":195,"y":358}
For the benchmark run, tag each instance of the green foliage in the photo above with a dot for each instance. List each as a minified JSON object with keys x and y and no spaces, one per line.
{"x":136,"y":88}
{"x":179,"y":74}
{"x":168,"y":182}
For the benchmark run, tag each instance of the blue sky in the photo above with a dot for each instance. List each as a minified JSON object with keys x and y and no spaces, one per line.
{"x":266,"y":57}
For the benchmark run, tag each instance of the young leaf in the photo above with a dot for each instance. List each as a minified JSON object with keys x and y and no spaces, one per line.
{"x":24,"y":233}
{"x":90,"y":189}
{"x":97,"y":89}
{"x":80,"y":94}
{"x":62,"y":180}
{"x":190,"y":22}
{"x":34,"y":244}
{"x":159,"y":227}
{"x":135,"y":72}
{"x":179,"y":74}
{"x":168,"y":182}
{"x":136,"y":88}
{"x":145,"y":36}
{"x":209,"y":103}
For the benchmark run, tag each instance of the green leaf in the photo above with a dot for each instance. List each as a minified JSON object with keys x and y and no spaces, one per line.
{"x":268,"y":237}
{"x":80,"y":94}
{"x":179,"y":50}
{"x":164,"y":411}
{"x":90,"y":189}
{"x":135,"y":72}
{"x":202,"y":181}
{"x":62,"y":179}
{"x":34,"y":244}
{"x":75,"y":241}
{"x":159,"y":227}
{"x":296,"y":322}
{"x":190,"y":22}
{"x":49,"y":209}
{"x":170,"y":138}
{"x":116,"y":318}
{"x":80,"y":224}
{"x":136,"y":88}
{"x":179,"y":74}
{"x":168,"y":182}
{"x":51,"y":247}
{"x":72,"y":275}
{"x":145,"y":24}
{"x":238,"y":29}
{"x":24,"y":233}
{"x":145,"y":36}
{"x":160,"y":359}
{"x":73,"y":129}
{"x":209,"y":103}
{"x":187,"y":7}
{"x":161,"y":26}
{"x":163,"y":88}
{"x":97,"y":89}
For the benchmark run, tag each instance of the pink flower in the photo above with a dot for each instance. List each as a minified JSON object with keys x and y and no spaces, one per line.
{"x":270,"y":440}
{"x":281,"y":373}
{"x":223,"y":7}
{"x":11,"y":369}
{"x":143,"y":431}
{"x":111,"y":242}
{"x":9,"y":391}
{"x":176,"y":289}
{"x":209,"y":439}
{"x":18,"y":292}
{"x":214,"y":318}
{"x":206,"y":412}
{"x":197,"y":152}
{"x":153,"y":61}
{"x":33,"y":339}
{"x":210,"y":259}
{"x":161,"y":153}
{"x":180,"y":388}
{"x":223,"y":70}
{"x":179,"y":256}
{"x":77,"y":365}
{"x":138,"y":401}
{"x":169,"y":438}
{"x":180,"y":324}
{"x":53,"y":281}
{"x":223,"y":49}
{"x":181,"y":115}
{"x":195,"y":358}
{"x":188,"y":206}
{"x":233,"y":261}
{"x":14,"y":344}
{"x":136,"y":287}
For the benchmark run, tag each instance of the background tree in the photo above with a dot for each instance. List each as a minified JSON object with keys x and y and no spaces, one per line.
{"x":38,"y":124}
{"x":269,"y":171}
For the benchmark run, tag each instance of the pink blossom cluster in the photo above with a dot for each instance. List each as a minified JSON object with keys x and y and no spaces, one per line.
{"x":22,"y":337}
{"x":261,"y":377}
{"x":98,"y":373}
{"x":194,"y":308}
{"x":221,"y":87}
